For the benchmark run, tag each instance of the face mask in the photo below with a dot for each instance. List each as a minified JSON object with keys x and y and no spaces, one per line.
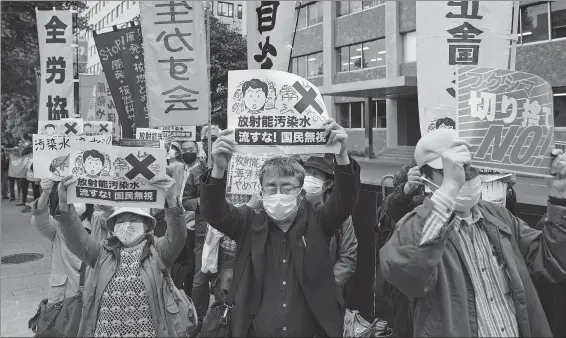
{"x":129,"y":233}
{"x":469,"y":195}
{"x":280,"y":206}
{"x":189,"y":158}
{"x":313,"y":186}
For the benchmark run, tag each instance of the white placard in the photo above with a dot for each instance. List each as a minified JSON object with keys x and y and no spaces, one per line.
{"x":63,"y":127}
{"x":243,"y":173}
{"x":180,"y":133}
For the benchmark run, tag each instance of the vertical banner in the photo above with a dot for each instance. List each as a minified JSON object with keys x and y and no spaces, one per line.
{"x":174,"y":43}
{"x":507,"y":116}
{"x":91,"y":112}
{"x":453,"y":33}
{"x":122,"y":61}
{"x":55,"y":35}
{"x":112,"y":114}
{"x":276,"y":112}
{"x":270,"y":28}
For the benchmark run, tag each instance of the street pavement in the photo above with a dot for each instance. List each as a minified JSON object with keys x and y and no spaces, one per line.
{"x":23,"y":285}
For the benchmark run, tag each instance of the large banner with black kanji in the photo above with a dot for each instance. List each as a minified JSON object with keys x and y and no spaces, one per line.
{"x":174,"y":43}
{"x":121,"y":56}
{"x":55,"y":35}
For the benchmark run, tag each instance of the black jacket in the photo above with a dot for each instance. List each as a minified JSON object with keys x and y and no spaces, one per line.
{"x":309,"y":239}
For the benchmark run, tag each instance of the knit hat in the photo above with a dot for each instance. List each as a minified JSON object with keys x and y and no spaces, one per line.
{"x":111,"y":221}
{"x":325,"y":164}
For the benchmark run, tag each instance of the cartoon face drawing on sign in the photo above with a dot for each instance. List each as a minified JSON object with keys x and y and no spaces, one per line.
{"x":441,"y":123}
{"x":92,"y":163}
{"x":88,"y":128}
{"x":49,"y":129}
{"x":255,"y":95}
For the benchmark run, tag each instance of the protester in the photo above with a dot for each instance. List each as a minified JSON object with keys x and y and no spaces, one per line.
{"x":466,"y":263}
{"x":319,"y":182}
{"x":126,"y":297}
{"x":282,"y":271}
{"x":191,"y":198}
{"x":5,"y":165}
{"x":65,"y":266}
{"x":26,"y":153}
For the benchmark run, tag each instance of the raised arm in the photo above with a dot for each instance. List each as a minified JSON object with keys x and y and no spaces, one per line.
{"x":40,"y":218}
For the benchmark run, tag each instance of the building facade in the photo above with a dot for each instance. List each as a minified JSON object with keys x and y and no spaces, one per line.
{"x":362,"y":56}
{"x":103,"y":15}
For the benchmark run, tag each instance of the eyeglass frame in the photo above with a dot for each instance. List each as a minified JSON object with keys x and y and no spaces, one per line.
{"x":278,"y":190}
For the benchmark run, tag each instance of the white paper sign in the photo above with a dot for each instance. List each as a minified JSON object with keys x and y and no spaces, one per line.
{"x":494,"y":192}
{"x":63,"y":127}
{"x":243,"y":173}
{"x":270,"y":33}
{"x":98,"y":128}
{"x":55,"y":36}
{"x":174,"y":44}
{"x":450,"y":34}
{"x":51,"y":153}
{"x":275,"y":112}
{"x":180,"y":133}
{"x":117,"y":176}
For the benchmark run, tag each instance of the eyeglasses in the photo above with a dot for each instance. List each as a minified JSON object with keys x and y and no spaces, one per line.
{"x":286,"y":189}
{"x":213,"y":138}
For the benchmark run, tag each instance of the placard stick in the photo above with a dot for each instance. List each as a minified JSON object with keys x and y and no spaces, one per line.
{"x":209,"y":165}
{"x":516,"y":15}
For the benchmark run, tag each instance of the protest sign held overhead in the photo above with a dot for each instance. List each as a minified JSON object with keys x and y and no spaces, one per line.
{"x":117,"y":176}
{"x":507,"y":116}
{"x":51,"y":153}
{"x":55,"y":35}
{"x":453,"y":33}
{"x":150,"y":134}
{"x":174,"y":43}
{"x":63,"y":127}
{"x":97,"y":128}
{"x":132,"y":142}
{"x":121,"y":57}
{"x":180,"y":133}
{"x":276,"y":112}
{"x":243,"y":173}
{"x":269,"y":35}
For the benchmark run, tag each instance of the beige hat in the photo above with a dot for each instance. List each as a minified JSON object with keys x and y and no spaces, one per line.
{"x":431,"y":146}
{"x":111,"y":221}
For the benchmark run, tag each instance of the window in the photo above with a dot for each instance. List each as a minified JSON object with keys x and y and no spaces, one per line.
{"x":351,"y":115}
{"x":350,"y":7}
{"x":369,"y":54}
{"x":310,"y":15}
{"x":344,"y":114}
{"x":113,"y":14}
{"x":534,"y":23}
{"x":355,"y":6}
{"x":378,"y":111}
{"x":410,"y":47}
{"x":342,"y":8}
{"x":302,"y":66}
{"x":560,"y":107}
{"x":225,"y":9}
{"x":239,"y":11}
{"x":558,"y":19}
{"x":314,"y":65}
{"x":123,"y":6}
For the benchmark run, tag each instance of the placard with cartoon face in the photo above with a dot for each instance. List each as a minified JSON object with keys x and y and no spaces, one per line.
{"x":63,"y":127}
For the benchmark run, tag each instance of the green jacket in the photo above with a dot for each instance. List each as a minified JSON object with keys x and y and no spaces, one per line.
{"x":103,"y":258}
{"x":436,"y":280}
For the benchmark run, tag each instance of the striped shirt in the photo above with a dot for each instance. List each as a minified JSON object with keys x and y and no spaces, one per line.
{"x":496,"y":314}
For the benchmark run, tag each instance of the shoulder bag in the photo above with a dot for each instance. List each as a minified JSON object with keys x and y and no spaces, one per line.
{"x":180,"y":312}
{"x":61,"y":319}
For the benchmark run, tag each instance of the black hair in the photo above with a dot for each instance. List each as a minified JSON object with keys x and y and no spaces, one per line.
{"x":427,"y":171}
{"x":93,"y":153}
{"x":254,"y":84}
{"x":446,"y":121}
{"x":400,"y":176}
{"x":88,"y":212}
{"x":49,"y":126}
{"x":87,"y":124}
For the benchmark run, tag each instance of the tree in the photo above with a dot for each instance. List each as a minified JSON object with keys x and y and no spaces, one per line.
{"x":20,"y":55}
{"x":228,"y":51}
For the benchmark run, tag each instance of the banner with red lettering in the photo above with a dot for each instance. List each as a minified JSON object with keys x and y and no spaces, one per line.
{"x":507,"y":116}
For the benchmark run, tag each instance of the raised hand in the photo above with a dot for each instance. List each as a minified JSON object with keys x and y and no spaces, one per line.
{"x":454,"y":163}
{"x":62,"y":191}
{"x":414,"y":180}
{"x":223,"y":149}
{"x":167,"y":184}
{"x":337,"y":134}
{"x":557,"y":184}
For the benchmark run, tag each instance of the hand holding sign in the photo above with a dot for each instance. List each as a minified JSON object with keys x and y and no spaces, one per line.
{"x":557,"y":184}
{"x":454,"y":161}
{"x":62,"y":189}
{"x":166,"y":183}
{"x":46,"y":185}
{"x":222,"y":151}
{"x":414,"y":180}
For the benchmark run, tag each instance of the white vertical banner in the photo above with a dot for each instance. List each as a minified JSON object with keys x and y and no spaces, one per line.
{"x":174,"y":44}
{"x":452,"y":34}
{"x":270,"y":28}
{"x":55,"y":35}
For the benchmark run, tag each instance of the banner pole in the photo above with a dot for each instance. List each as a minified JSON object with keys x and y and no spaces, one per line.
{"x":516,"y":15}
{"x":294,"y":35}
{"x":209,"y":164}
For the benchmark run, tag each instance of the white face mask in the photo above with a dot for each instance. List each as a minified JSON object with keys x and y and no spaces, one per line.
{"x":469,"y":195}
{"x":313,"y":186}
{"x":129,"y":233}
{"x":280,"y":206}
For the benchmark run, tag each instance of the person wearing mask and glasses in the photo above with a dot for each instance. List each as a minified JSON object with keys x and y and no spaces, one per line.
{"x":283,"y":275}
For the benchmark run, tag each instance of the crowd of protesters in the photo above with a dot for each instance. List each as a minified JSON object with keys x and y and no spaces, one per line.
{"x":450,"y":264}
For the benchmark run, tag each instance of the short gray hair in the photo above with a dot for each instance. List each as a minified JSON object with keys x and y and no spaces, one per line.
{"x":283,"y":166}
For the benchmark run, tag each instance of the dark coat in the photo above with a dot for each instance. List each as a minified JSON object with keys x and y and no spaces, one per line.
{"x":309,"y":238}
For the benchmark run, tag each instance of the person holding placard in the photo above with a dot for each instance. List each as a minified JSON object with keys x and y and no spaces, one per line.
{"x":283,"y":282}
{"x":117,"y":301}
{"x":468,"y":264}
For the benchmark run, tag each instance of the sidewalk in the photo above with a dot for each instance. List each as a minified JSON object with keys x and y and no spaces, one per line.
{"x":23,"y":285}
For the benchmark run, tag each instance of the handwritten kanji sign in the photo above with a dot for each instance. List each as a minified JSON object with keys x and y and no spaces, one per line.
{"x":132,"y":142}
{"x":55,"y":37}
{"x":150,"y":134}
{"x":268,"y":34}
{"x":174,"y":44}
{"x":63,"y":127}
{"x":453,"y":33}
{"x":117,"y":176}
{"x":243,"y":173}
{"x":180,"y":133}
{"x":507,"y":116}
{"x":276,"y":112}
{"x":51,"y":153}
